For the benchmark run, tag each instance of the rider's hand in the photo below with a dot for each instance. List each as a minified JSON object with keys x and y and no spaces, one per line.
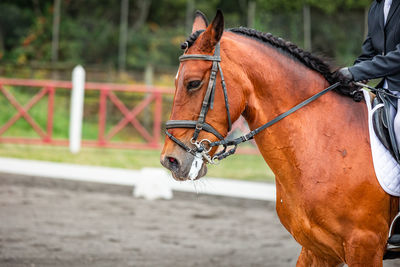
{"x":345,"y":75}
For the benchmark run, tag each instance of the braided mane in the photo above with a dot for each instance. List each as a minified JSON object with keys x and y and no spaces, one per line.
{"x":309,"y":60}
{"x":305,"y":57}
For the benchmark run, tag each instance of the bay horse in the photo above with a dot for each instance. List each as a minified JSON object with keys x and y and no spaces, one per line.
{"x":327,"y":195}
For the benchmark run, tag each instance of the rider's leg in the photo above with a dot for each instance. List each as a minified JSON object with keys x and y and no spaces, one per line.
{"x":396,"y":121}
{"x":395,"y":239}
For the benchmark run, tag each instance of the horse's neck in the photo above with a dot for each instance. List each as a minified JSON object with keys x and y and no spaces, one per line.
{"x":280,"y":144}
{"x":290,"y":145}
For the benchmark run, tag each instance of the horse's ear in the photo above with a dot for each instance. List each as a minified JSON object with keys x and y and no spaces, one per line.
{"x":215,"y":29}
{"x":200,"y":21}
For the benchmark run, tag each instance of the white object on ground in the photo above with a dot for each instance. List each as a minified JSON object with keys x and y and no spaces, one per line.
{"x":196,"y":166}
{"x":117,"y":176}
{"x":153,"y":185}
{"x":76,"y":117}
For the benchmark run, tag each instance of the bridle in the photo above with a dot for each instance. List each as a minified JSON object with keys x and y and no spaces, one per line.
{"x":203,"y":147}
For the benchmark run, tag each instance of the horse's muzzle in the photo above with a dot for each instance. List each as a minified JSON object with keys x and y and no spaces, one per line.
{"x":180,"y":165}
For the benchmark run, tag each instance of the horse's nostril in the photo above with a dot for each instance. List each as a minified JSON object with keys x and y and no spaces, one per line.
{"x":173,"y":163}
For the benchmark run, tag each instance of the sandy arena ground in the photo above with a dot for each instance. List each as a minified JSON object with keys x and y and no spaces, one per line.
{"x":46,"y":222}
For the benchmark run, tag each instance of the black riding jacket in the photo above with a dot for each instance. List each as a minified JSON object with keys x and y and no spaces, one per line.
{"x":380,"y":56}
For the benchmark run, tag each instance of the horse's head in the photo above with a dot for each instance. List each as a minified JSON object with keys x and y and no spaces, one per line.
{"x":200,"y":114}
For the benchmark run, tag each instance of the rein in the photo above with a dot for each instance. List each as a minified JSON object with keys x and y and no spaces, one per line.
{"x":250,"y":135}
{"x":377,"y":90}
{"x":203,"y":147}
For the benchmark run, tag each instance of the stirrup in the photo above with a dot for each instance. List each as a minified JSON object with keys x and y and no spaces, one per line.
{"x":393,"y":243}
{"x":394,"y":240}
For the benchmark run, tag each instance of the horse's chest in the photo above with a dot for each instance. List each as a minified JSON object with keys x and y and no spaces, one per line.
{"x":304,"y":228}
{"x":291,"y":216}
{"x":295,"y":220}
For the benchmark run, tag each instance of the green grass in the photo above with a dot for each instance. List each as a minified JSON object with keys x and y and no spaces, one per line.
{"x":243,"y":167}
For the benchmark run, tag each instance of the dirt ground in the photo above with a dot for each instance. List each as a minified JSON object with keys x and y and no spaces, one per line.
{"x":46,"y":222}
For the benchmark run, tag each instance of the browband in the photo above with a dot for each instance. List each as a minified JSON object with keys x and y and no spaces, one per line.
{"x":199,"y":57}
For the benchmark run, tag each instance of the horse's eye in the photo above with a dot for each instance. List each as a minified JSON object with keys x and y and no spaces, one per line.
{"x":194,"y":84}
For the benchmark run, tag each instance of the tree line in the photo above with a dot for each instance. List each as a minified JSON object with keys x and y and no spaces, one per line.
{"x":129,"y":35}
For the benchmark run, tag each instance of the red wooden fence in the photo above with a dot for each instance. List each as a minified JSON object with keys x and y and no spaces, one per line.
{"x":152,"y":140}
{"x":107,"y":93}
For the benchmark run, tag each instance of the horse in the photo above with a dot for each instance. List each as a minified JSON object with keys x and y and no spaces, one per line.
{"x":327,"y":195}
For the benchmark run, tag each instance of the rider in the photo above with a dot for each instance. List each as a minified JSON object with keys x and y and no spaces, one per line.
{"x":380,"y":57}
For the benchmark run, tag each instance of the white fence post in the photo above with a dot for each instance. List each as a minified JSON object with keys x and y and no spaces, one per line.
{"x":76,"y":110}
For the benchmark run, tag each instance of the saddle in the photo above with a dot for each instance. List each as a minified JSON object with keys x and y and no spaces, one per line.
{"x":382,"y":119}
{"x":386,"y":107}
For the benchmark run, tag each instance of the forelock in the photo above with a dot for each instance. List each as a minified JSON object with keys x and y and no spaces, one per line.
{"x":191,"y":39}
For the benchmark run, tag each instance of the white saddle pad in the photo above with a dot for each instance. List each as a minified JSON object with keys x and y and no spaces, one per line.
{"x":387,"y":169}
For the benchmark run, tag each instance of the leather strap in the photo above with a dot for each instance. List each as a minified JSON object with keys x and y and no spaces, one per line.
{"x":208,"y":97}
{"x":192,"y":124}
{"x":206,"y":101}
{"x":180,"y":143}
{"x":199,"y":57}
{"x":251,"y":134}
{"x":387,"y":103}
{"x":228,"y":113}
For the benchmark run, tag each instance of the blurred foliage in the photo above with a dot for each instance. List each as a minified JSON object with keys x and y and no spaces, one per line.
{"x":89,"y":29}
{"x":323,"y":5}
